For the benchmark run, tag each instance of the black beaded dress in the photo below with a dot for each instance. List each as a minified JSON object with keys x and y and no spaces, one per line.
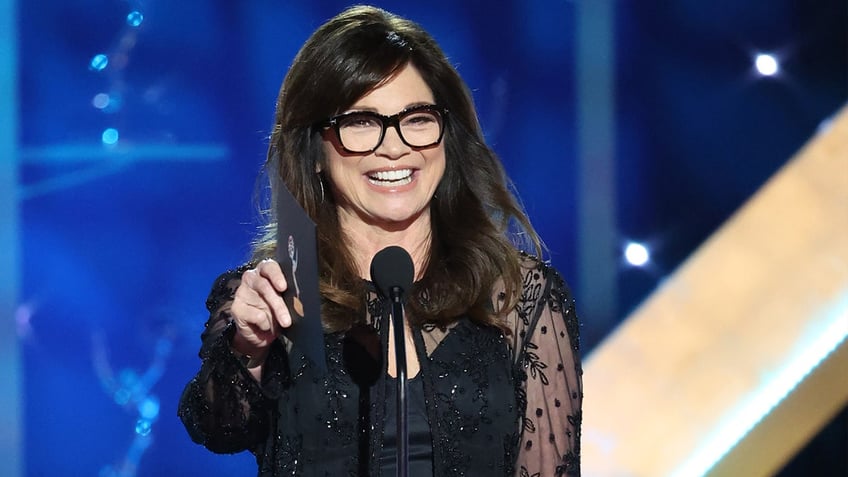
{"x":497,"y":404}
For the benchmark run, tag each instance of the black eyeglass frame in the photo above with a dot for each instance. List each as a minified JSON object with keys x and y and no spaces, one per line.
{"x":386,"y":122}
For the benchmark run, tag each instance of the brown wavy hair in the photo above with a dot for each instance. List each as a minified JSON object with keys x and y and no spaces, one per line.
{"x":477,"y":222}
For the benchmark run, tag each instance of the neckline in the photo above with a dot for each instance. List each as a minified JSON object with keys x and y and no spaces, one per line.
{"x":389,"y":377}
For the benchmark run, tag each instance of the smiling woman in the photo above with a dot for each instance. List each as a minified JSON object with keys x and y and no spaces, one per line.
{"x":376,"y":137}
{"x":392,"y":186}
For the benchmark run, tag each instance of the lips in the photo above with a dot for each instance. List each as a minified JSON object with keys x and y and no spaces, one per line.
{"x":396,"y":177}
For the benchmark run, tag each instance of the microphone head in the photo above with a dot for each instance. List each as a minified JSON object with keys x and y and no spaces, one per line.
{"x":392,"y":268}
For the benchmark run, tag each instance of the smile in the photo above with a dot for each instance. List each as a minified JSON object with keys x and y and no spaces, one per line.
{"x":394,"y":178}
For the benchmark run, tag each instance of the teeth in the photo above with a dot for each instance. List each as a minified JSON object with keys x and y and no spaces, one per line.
{"x":404,"y":175}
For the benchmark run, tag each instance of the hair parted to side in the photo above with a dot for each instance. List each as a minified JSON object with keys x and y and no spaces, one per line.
{"x":477,"y":222}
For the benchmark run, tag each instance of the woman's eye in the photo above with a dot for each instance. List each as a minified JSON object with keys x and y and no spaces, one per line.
{"x":419,"y":120}
{"x":360,"y":122}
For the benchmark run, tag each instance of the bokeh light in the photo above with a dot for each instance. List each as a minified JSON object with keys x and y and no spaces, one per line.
{"x":100,"y":101}
{"x":110,"y":136}
{"x":766,"y":64}
{"x":99,"y":62}
{"x":143,"y":427}
{"x":149,"y":408}
{"x":135,"y":18}
{"x":636,"y":254}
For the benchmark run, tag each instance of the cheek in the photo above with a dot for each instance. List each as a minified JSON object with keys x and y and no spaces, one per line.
{"x":334,"y":166}
{"x":438,"y":163}
{"x":343,"y":176}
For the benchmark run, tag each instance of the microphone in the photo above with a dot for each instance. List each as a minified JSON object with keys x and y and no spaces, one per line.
{"x":393,"y":272}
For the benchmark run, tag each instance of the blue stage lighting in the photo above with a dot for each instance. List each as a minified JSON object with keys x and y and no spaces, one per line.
{"x":99,"y":62}
{"x":149,"y":408}
{"x":135,"y":18}
{"x":110,"y":136}
{"x":100,"y":101}
{"x":122,"y":396}
{"x":143,"y":427}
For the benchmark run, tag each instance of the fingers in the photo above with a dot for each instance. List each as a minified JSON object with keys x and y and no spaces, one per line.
{"x":270,"y":270}
{"x":258,"y":306}
{"x":270,"y":288}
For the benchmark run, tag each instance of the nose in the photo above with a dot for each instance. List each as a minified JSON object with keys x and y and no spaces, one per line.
{"x":392,"y":146}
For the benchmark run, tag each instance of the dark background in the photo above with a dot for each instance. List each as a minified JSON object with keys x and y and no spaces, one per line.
{"x":119,"y":249}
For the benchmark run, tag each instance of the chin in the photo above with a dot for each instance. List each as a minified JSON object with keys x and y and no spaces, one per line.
{"x":398,"y":217}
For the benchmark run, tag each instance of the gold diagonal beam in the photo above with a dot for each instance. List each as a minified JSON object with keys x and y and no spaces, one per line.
{"x":726,"y":349}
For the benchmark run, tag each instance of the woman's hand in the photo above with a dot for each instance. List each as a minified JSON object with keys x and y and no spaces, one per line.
{"x":258,"y":310}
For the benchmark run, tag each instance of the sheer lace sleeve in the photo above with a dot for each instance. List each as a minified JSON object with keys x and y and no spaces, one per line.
{"x":223,"y":407}
{"x":547,"y":355}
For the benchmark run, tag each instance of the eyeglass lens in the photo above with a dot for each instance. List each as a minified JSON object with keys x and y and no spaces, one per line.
{"x":362,"y":132}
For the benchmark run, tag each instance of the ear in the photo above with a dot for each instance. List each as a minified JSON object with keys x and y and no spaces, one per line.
{"x":318,"y":168}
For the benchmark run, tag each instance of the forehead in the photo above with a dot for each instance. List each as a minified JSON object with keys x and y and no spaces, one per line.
{"x":404,"y":89}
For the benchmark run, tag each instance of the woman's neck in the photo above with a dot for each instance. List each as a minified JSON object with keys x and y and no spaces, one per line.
{"x":367,"y":239}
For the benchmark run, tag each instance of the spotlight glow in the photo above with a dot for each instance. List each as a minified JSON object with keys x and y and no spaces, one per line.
{"x":766,"y":64}
{"x":110,"y":136}
{"x":99,"y":62}
{"x":636,"y":254}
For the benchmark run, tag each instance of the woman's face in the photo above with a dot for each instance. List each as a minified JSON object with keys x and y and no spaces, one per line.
{"x":392,"y":186}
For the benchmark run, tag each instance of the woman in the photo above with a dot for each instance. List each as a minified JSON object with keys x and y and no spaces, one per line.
{"x":377,"y":138}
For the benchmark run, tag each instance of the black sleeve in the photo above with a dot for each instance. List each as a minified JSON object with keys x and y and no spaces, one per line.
{"x":223,"y":407}
{"x":546,"y":334}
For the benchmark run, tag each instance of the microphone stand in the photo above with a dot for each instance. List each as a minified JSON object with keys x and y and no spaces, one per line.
{"x":400,"y":364}
{"x":393,"y":272}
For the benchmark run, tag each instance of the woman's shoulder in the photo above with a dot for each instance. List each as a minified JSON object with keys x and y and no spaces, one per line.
{"x":536,"y":270}
{"x":543,"y":285}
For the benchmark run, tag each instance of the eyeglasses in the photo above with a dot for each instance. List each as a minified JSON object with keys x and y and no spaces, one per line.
{"x":363,"y":131}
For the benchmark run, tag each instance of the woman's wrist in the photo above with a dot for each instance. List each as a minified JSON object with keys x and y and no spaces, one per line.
{"x":250,"y":356}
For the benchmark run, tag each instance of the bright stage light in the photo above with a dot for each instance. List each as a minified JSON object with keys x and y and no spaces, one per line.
{"x":766,"y":64}
{"x":636,"y":254}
